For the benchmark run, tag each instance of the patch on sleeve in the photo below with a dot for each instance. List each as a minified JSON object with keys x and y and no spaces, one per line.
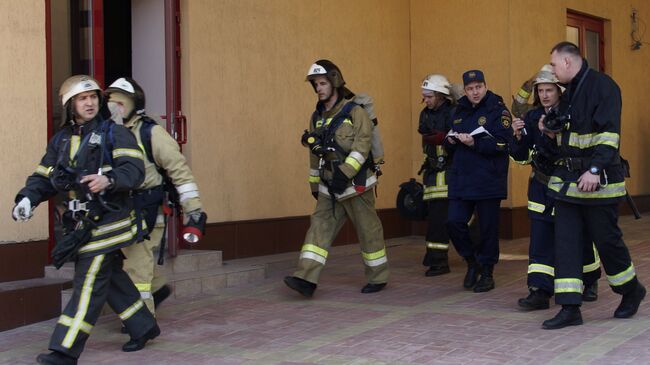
{"x":505,"y":121}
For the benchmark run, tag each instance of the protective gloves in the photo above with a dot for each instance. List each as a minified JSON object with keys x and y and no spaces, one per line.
{"x":434,"y":138}
{"x":339,"y":182}
{"x":194,"y":215}
{"x":22,"y":210}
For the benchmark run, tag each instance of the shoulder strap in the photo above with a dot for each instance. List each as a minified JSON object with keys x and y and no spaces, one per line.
{"x":342,"y":115}
{"x":145,"y":136}
{"x":56,"y":139}
{"x":107,"y":130}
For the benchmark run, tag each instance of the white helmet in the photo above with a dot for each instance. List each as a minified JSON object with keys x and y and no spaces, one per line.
{"x":76,"y":85}
{"x":437,"y":83}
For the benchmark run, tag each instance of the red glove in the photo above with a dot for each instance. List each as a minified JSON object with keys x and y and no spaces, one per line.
{"x":434,"y":138}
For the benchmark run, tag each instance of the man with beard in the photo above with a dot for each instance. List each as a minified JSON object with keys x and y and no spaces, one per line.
{"x":342,"y":181}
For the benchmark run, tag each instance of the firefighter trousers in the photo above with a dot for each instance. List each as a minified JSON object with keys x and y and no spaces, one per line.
{"x":486,"y":252}
{"x":142,"y":267}
{"x":600,"y":222}
{"x":326,"y":224}
{"x":437,"y":238}
{"x":541,"y":257}
{"x":99,"y":280}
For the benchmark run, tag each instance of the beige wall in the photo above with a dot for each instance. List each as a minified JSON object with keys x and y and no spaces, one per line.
{"x":244,"y":92}
{"x":247,"y":102}
{"x":23,"y":109}
{"x":510,"y":40}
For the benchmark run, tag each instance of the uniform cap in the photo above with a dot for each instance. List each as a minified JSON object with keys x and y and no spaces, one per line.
{"x":473,"y":76}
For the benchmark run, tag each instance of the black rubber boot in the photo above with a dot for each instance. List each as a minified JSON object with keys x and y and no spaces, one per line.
{"x":136,"y":344}
{"x":473,"y":269}
{"x":437,"y":270}
{"x":486,"y":282}
{"x":161,"y":294}
{"x":630,"y":302}
{"x":438,"y":262}
{"x":569,"y":315}
{"x":537,"y":299}
{"x":372,"y":288}
{"x":56,"y":358}
{"x":302,"y":286}
{"x":590,"y":292}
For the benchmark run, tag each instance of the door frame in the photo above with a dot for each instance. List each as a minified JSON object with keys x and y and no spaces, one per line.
{"x":175,"y":121}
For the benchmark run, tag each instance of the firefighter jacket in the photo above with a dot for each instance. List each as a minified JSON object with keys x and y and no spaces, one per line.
{"x":96,"y":147}
{"x":535,"y":149}
{"x":167,"y":156}
{"x":353,"y":137}
{"x":480,"y":171}
{"x":590,"y":139}
{"x":436,"y":158}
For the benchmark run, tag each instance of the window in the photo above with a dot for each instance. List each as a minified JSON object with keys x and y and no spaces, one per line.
{"x":588,"y":33}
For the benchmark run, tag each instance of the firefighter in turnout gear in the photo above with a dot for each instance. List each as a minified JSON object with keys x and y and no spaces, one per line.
{"x":587,"y":184}
{"x":163,"y":159}
{"x":478,"y":176}
{"x":531,"y":146}
{"x":435,"y":122}
{"x":92,"y":164}
{"x":342,"y":180}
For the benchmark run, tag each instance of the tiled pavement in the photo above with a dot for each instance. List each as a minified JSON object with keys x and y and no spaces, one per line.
{"x":416,"y":320}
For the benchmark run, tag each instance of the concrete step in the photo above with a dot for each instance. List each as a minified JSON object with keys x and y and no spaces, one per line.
{"x":204,"y":282}
{"x":29,"y":301}
{"x":65,"y":272}
{"x":193,"y":260}
{"x":186,"y":261}
{"x":212,"y":281}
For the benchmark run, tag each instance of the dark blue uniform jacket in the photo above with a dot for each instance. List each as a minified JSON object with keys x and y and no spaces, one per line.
{"x":481,"y":171}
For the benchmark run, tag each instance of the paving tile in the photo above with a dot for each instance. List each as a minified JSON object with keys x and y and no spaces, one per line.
{"x":416,"y":320}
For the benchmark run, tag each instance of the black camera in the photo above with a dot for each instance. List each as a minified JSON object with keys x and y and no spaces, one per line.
{"x":542,"y":162}
{"x":555,"y":121}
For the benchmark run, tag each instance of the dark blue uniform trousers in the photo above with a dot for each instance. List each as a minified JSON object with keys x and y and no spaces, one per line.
{"x":460,"y":212}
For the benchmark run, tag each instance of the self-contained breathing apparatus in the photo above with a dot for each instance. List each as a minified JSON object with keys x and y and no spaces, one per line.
{"x":410,"y":203}
{"x":432,"y":162}
{"x":148,"y":201}
{"x":322,"y":142}
{"x":85,"y":209}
